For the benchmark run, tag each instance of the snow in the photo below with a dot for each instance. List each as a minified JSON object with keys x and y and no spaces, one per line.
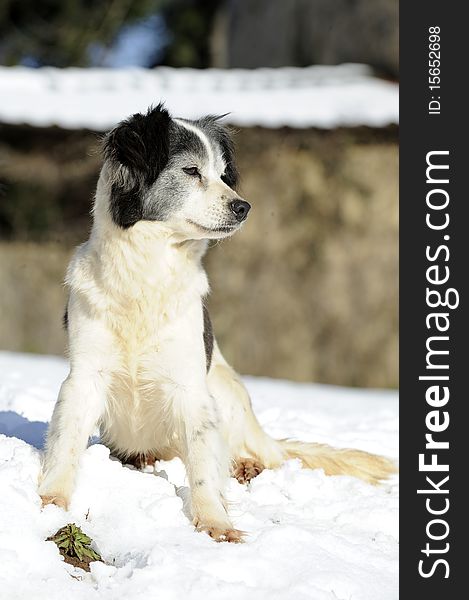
{"x":309,"y":536}
{"x":316,"y":96}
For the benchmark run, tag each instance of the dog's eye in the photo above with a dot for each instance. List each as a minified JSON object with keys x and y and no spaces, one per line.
{"x":193,"y":171}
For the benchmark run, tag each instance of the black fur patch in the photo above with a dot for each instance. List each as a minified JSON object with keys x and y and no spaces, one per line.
{"x":222,"y":136}
{"x":208,"y":337}
{"x":141,"y":145}
{"x":126,"y":205}
{"x":65,"y":319}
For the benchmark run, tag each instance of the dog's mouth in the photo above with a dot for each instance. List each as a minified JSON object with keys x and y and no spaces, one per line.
{"x":227,"y":229}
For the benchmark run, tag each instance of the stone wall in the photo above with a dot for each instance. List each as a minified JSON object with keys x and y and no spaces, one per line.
{"x":307,"y":290}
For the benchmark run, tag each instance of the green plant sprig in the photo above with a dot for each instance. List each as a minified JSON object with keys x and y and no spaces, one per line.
{"x":72,"y":541}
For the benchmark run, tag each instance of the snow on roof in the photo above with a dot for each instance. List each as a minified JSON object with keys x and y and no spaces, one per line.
{"x":316,"y":96}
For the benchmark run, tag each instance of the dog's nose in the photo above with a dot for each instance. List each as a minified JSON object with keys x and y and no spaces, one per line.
{"x":240,"y":209}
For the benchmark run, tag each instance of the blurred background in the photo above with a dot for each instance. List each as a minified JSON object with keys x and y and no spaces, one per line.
{"x":308,"y":290}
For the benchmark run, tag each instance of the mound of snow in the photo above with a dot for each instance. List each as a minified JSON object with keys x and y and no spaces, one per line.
{"x":309,"y":536}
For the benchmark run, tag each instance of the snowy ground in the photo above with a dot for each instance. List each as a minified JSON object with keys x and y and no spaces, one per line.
{"x":310,"y":536}
{"x":317,"y":96}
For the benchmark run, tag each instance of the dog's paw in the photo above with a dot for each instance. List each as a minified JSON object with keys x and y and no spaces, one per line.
{"x":140,"y":461}
{"x":222,"y":534}
{"x":57,"y":499}
{"x":246,"y":469}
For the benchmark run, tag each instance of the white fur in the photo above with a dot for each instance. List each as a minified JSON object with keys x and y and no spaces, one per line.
{"x":137,"y":359}
{"x":138,"y":365}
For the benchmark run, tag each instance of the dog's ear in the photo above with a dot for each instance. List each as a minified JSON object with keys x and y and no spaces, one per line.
{"x":231,"y":176}
{"x":137,"y":151}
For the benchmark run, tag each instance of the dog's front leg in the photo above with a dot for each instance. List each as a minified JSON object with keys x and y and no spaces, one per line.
{"x":79,"y":406}
{"x":78,"y":409}
{"x":207,"y":464}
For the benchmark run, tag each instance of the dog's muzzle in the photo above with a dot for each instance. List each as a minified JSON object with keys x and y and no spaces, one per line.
{"x":240,"y":209}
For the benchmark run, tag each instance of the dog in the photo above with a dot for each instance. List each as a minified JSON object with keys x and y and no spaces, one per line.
{"x":144,"y":363}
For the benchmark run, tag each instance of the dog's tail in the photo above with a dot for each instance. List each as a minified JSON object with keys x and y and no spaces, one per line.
{"x":248,"y":439}
{"x":334,"y":461}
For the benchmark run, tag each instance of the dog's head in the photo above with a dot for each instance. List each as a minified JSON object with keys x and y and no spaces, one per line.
{"x":173,"y":170}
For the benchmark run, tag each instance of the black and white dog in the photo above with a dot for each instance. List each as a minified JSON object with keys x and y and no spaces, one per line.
{"x":143,"y":361}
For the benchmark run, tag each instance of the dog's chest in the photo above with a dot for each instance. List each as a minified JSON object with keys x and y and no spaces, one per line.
{"x":159,"y":314}
{"x":151,"y":333}
{"x":150,"y":299}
